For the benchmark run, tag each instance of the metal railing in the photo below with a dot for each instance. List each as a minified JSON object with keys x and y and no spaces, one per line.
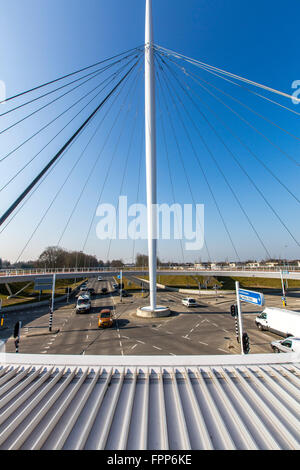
{"x":44,"y":271}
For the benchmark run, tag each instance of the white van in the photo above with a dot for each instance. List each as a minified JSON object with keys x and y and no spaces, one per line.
{"x":83,"y":304}
{"x":290,"y":344}
{"x":280,"y":321}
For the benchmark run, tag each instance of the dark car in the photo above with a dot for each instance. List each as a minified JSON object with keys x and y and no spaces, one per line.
{"x":91,"y":290}
{"x":125,"y":293}
{"x":104,"y":290}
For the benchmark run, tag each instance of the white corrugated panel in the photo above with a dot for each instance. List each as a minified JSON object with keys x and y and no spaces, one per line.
{"x":209,"y":405}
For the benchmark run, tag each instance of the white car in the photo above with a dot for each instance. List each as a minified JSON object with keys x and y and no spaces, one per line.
{"x":83,"y":304}
{"x":290,"y":344}
{"x":189,"y":302}
{"x":100,"y":278}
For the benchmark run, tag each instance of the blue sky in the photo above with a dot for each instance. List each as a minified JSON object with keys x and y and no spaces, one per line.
{"x":41,"y":40}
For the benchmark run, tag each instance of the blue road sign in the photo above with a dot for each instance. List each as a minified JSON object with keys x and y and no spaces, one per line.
{"x":119,"y":276}
{"x":252,"y":297}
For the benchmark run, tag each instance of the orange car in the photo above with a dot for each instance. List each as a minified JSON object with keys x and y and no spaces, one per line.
{"x":105,"y":319}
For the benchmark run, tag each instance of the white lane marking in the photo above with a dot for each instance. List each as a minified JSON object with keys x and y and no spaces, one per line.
{"x":226,"y":331}
{"x":192,"y":330}
{"x":216,"y":325}
{"x":126,"y":337}
{"x":156,"y":347}
{"x":222,"y":350}
{"x":169,"y":332}
{"x":134,"y":346}
{"x":186,"y":337}
{"x":44,"y":352}
{"x":205,"y":344}
{"x":142,"y":342}
{"x":172,"y":354}
{"x":197,"y":325}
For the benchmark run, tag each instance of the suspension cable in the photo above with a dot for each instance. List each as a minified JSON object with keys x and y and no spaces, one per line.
{"x":33,"y":100}
{"x":111,"y":78}
{"x":69,"y":75}
{"x":52,"y":202}
{"x":182,"y":160}
{"x":60,"y":152}
{"x":237,"y":77}
{"x":237,"y":200}
{"x":257,"y":158}
{"x":124,"y":171}
{"x":244,"y":120}
{"x":94,"y":166}
{"x":256,"y":187}
{"x":197,"y":158}
{"x":95,"y":74}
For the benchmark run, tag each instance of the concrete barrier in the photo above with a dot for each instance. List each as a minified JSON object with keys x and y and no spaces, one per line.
{"x":191,"y":291}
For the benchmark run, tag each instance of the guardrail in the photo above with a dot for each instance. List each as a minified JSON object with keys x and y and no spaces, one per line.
{"x":24,"y":272}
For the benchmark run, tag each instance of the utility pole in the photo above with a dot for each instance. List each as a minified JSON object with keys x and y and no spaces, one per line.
{"x":150,"y":135}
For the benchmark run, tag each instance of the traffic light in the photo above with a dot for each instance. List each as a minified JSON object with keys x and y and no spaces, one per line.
{"x":234,"y":310}
{"x":17,"y":329}
{"x":246,"y":343}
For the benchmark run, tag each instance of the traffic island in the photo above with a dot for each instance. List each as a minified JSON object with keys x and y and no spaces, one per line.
{"x":148,"y":312}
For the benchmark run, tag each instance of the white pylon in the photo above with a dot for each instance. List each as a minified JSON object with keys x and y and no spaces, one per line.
{"x":150,"y":141}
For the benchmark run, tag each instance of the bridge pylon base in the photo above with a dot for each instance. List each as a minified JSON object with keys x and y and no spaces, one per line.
{"x":148,"y":312}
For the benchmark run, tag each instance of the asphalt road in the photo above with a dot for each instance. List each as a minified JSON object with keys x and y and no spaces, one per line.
{"x":206,"y":329}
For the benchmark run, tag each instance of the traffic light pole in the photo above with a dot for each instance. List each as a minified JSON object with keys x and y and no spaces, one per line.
{"x":121,"y":290}
{"x":238,"y":301}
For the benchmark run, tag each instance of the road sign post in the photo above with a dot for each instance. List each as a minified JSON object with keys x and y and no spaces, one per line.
{"x":251,"y":297}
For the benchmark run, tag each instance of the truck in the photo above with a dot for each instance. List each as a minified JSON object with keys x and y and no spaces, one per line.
{"x":279,"y":321}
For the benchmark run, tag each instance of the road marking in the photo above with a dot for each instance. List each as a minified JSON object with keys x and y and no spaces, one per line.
{"x":192,"y":330}
{"x":216,"y":325}
{"x":172,"y":354}
{"x":222,"y":350}
{"x":157,"y":347}
{"x":142,"y":342}
{"x":134,"y":346}
{"x":169,"y":332}
{"x":197,"y":325}
{"x":205,"y":344}
{"x":126,"y":337}
{"x":186,"y":337}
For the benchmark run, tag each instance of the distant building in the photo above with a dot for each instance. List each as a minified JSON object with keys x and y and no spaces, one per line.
{"x":253,"y":264}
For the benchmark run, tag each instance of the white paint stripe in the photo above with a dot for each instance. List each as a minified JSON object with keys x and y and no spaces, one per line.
{"x":134,"y":346}
{"x":157,"y":348}
{"x":219,"y":349}
{"x":205,"y":344}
